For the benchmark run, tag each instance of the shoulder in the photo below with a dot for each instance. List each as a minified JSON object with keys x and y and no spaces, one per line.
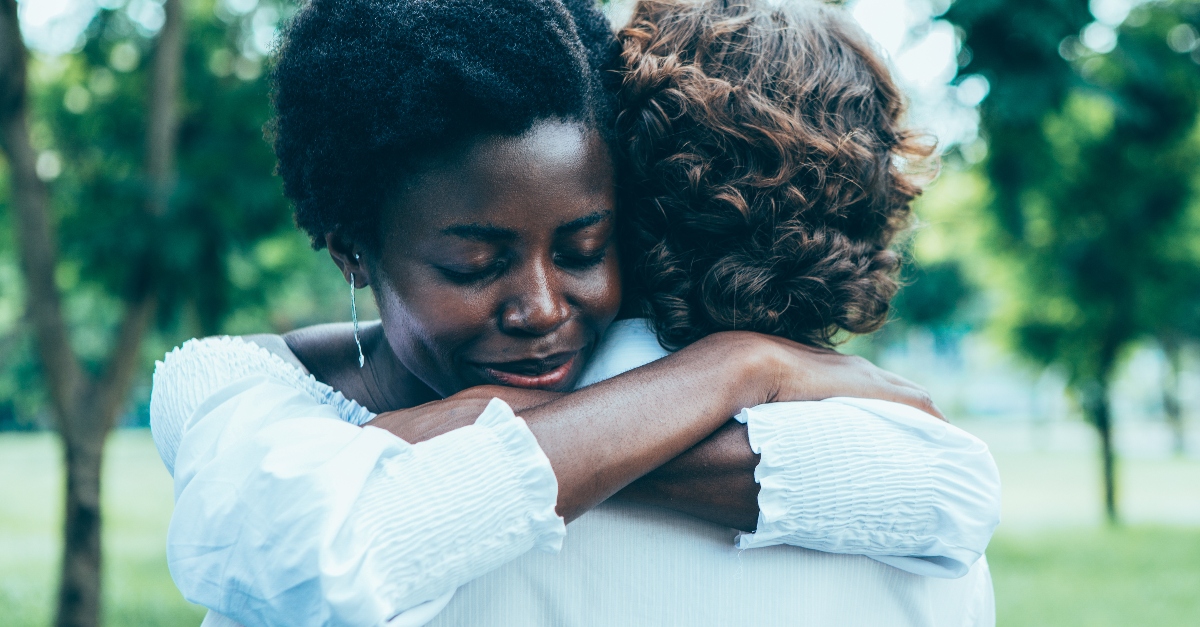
{"x":193,"y":373}
{"x":276,"y":345}
{"x":329,"y":352}
{"x":200,"y":363}
{"x":627,"y":344}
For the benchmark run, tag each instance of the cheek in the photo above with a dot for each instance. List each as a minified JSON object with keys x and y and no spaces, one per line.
{"x":600,"y":294}
{"x":434,"y":319}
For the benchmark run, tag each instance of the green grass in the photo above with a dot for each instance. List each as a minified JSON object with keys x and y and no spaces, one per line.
{"x":1056,"y":576}
{"x":136,"y":507}
{"x":1097,"y":577}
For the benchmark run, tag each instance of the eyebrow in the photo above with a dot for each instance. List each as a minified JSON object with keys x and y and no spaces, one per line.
{"x":592,"y":219}
{"x":480,"y":232}
{"x":490,"y":233}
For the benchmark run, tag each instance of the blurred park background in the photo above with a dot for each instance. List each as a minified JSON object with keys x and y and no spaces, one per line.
{"x":1052,"y":306}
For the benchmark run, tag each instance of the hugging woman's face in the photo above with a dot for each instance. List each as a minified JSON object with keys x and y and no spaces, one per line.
{"x":499,"y":265}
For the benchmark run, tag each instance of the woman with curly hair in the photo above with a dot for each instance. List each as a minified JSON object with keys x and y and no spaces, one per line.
{"x":765,"y":170}
{"x":455,"y":157}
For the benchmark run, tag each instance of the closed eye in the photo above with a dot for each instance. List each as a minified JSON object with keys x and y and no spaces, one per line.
{"x":468,"y":276}
{"x":576,"y":261}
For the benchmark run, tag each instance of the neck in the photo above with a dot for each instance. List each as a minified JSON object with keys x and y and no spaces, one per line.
{"x":389,"y":385}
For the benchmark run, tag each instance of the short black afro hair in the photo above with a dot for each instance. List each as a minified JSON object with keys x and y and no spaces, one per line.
{"x":365,"y":91}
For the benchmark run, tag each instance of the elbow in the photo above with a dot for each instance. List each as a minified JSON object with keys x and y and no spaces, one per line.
{"x":973,"y":505}
{"x":166,"y":420}
{"x":988,"y":492}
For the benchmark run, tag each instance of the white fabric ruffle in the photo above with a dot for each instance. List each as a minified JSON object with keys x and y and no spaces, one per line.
{"x":854,"y":476}
{"x":287,"y":513}
{"x":873,"y":478}
{"x":191,"y":373}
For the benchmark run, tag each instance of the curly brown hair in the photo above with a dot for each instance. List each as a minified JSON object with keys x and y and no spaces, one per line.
{"x":766,"y":170}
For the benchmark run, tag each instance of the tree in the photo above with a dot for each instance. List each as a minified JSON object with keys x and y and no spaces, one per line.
{"x":159,"y":217}
{"x":1091,"y":157}
{"x":85,"y":404}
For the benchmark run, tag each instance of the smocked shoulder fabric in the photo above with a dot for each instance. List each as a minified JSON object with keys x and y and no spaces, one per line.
{"x":191,"y":373}
{"x":288,"y":513}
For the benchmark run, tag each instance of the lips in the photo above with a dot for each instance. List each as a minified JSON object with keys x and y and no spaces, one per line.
{"x":550,"y":373}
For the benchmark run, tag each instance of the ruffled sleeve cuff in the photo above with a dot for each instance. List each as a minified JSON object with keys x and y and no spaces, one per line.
{"x":495,"y":499}
{"x":531,"y":470}
{"x":872,"y":478}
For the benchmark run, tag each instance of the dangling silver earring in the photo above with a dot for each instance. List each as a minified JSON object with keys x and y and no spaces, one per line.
{"x":354,"y":316}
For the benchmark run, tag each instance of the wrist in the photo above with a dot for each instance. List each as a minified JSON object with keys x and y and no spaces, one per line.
{"x":751,"y":364}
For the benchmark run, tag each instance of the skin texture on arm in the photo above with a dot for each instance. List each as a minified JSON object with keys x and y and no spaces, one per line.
{"x":713,"y":480}
{"x":606,"y":436}
{"x":665,"y":427}
{"x":602,"y":438}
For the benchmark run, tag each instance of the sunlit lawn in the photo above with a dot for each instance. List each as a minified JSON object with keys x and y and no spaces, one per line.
{"x":1098,"y":578}
{"x":137,"y":506}
{"x":1061,"y":577}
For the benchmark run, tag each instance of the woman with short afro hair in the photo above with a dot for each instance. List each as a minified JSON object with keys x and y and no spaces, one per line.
{"x":455,"y":156}
{"x":353,"y":80}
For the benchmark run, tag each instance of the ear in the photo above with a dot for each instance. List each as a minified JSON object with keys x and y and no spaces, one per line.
{"x":350,"y":259}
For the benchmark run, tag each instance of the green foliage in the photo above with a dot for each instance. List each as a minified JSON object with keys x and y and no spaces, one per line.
{"x":226,"y":198}
{"x":224,"y":258}
{"x":933,"y":295}
{"x":1092,"y":162}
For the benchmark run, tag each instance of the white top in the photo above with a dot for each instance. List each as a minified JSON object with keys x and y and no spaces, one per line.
{"x":623,"y":564}
{"x":287,"y":513}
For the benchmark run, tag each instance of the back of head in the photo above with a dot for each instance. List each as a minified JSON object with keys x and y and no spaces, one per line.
{"x":763,"y":178}
{"x":365,"y":91}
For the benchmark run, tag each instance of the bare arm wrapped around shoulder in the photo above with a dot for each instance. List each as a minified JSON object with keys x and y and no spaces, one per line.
{"x":649,"y":421}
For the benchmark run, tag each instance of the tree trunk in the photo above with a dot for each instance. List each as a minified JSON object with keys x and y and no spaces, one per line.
{"x":1098,"y":411}
{"x":1172,"y":408}
{"x":162,"y":121}
{"x":79,"y":587}
{"x":1104,"y":424}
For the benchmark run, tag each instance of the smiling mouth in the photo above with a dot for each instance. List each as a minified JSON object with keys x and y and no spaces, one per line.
{"x":538,"y":374}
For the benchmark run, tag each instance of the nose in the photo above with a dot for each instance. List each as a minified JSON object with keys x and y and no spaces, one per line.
{"x":538,"y":305}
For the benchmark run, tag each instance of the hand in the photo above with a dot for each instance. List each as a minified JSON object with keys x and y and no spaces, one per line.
{"x":435,"y":418}
{"x":794,"y":372}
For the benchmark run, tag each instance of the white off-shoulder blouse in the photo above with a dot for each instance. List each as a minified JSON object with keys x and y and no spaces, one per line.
{"x":288,"y":512}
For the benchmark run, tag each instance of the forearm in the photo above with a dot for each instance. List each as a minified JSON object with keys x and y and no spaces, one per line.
{"x":602,"y":438}
{"x":713,"y":481}
{"x":607,"y":435}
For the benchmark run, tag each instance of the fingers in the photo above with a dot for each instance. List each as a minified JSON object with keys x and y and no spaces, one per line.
{"x":916,"y":396}
{"x":913,"y":395}
{"x":846,"y":375}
